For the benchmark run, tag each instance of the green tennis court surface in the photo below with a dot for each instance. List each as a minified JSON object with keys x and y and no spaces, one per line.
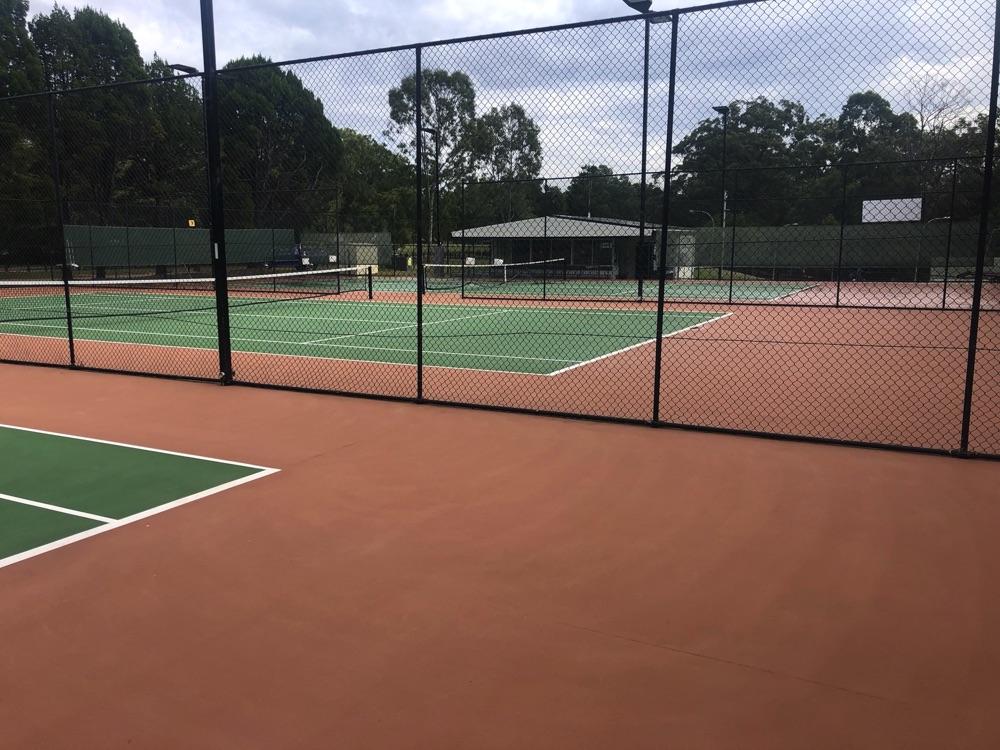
{"x":59,"y":488}
{"x":512,"y":339}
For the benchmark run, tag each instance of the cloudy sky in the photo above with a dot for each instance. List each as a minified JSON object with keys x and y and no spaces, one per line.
{"x":292,"y":29}
{"x":584,"y":87}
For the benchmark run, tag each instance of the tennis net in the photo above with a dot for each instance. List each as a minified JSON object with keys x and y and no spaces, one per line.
{"x":24,"y":301}
{"x":463,"y":277}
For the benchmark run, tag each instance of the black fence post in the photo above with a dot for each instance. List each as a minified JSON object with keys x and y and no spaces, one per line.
{"x":217,"y":223}
{"x":61,"y":228}
{"x":977,"y":294}
{"x":639,"y":267}
{"x":732,"y":246}
{"x":671,"y":86}
{"x":420,"y":222}
{"x":843,"y":222}
{"x":951,"y":224}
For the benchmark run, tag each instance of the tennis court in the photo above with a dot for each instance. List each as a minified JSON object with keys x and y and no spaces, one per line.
{"x":56,"y":489}
{"x":332,"y":316}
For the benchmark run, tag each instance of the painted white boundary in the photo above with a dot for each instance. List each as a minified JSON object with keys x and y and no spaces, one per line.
{"x":493,"y":310}
{"x":636,"y":346}
{"x":136,"y":447}
{"x":55,"y":508}
{"x":262,"y":471}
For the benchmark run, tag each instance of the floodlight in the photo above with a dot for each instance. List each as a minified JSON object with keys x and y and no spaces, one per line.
{"x":641,"y":6}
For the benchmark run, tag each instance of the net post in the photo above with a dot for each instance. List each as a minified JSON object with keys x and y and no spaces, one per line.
{"x":370,"y":284}
{"x":545,"y":273}
{"x":462,"y":285}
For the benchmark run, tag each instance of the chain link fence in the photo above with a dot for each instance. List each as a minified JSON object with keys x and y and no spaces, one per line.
{"x":771,"y":218}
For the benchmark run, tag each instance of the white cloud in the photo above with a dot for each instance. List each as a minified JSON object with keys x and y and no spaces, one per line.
{"x":293,"y":29}
{"x":583,"y":87}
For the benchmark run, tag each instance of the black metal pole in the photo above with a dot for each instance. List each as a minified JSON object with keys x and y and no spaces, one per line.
{"x":463,"y":223}
{"x":437,"y":187}
{"x":951,"y":224}
{"x":725,"y":136}
{"x":641,"y":246}
{"x":217,"y":224}
{"x":61,"y":227}
{"x":420,"y":224}
{"x":843,"y":222}
{"x":732,"y":246}
{"x":977,"y":295}
{"x":658,"y":368}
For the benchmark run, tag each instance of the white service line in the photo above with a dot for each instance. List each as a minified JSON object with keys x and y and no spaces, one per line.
{"x":137,"y":447}
{"x":55,"y":508}
{"x":114,"y":524}
{"x":404,"y":327}
{"x":636,"y":346}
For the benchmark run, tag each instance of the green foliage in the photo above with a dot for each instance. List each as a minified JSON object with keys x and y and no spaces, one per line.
{"x":20,"y":67}
{"x":103,"y":134}
{"x":279,"y":151}
{"x":375,"y":189}
{"x":598,"y":192}
{"x":25,"y":180}
{"x":85,"y":49}
{"x":781,"y":163}
{"x":509,"y":151}
{"x":448,"y":106}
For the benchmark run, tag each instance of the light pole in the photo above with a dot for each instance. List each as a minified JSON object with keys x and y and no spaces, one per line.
{"x":642,"y":265}
{"x":706,"y":213}
{"x":724,"y":111}
{"x":436,"y":210}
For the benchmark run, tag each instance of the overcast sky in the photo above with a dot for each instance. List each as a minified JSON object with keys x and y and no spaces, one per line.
{"x":584,"y":87}
{"x":291,"y":29}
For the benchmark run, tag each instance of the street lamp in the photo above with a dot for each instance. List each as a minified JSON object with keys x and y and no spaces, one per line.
{"x":710,"y":217}
{"x":185,"y":69}
{"x":724,"y":111}
{"x":436,"y":215}
{"x":642,"y":6}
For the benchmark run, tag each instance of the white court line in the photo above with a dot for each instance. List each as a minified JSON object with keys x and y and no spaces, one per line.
{"x":792,"y":294}
{"x":241,"y":352}
{"x":55,"y":508}
{"x":136,"y":447}
{"x":636,"y":346}
{"x":404,"y":327}
{"x":321,"y":342}
{"x":138,"y":516}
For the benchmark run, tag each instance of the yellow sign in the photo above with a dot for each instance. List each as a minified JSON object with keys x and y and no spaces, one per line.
{"x":190,"y":222}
